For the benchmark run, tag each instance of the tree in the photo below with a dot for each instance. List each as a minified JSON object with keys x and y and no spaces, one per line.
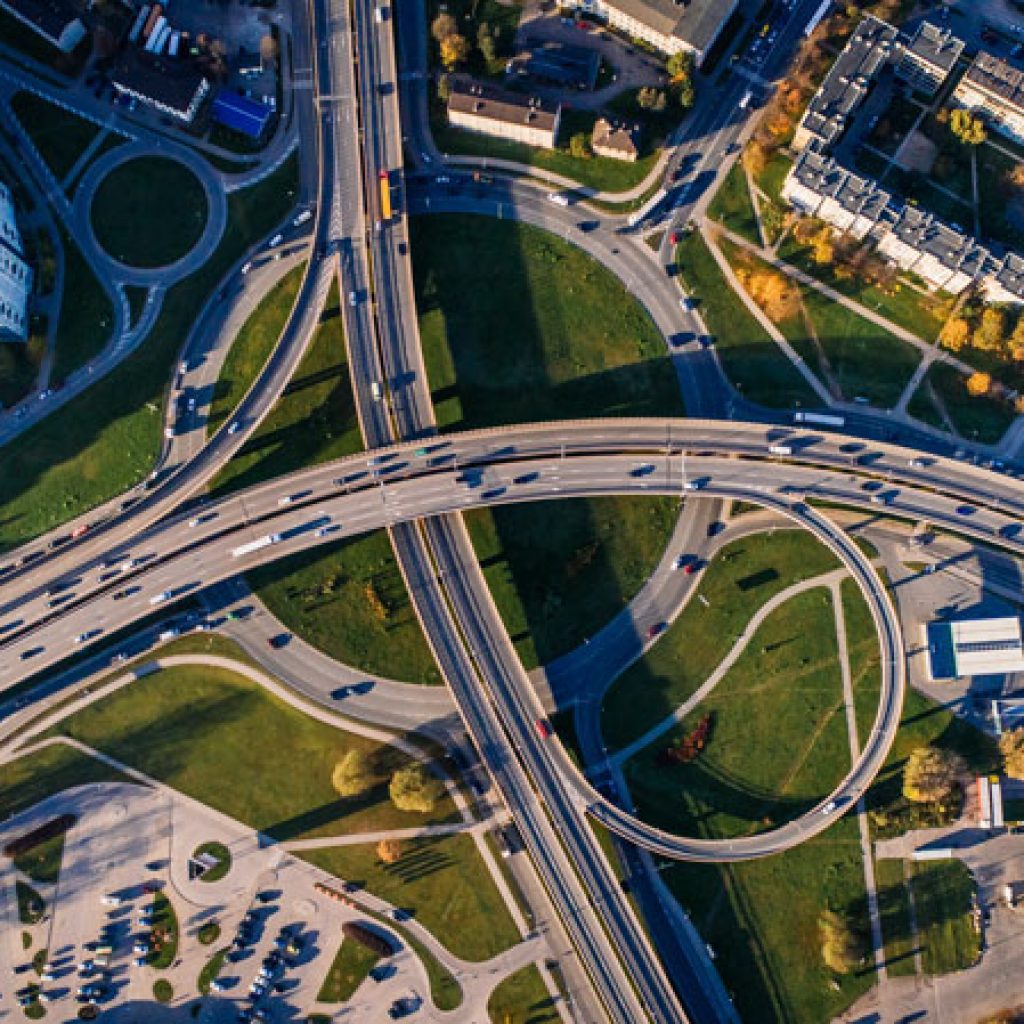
{"x":646,"y":96}
{"x":1011,"y":746}
{"x":454,"y":50}
{"x":412,"y":789}
{"x":686,"y":94}
{"x":772,"y":291}
{"x":755,"y":158}
{"x":822,"y":250}
{"x":970,"y":130}
{"x":931,"y":774}
{"x":991,"y":332}
{"x":955,"y":333}
{"x":979,"y":384}
{"x":352,"y":774}
{"x":389,"y":851}
{"x":485,"y":42}
{"x":443,"y":26}
{"x":579,"y":146}
{"x":842,"y":948}
{"x":679,"y":65}
{"x":269,"y":49}
{"x":444,"y":88}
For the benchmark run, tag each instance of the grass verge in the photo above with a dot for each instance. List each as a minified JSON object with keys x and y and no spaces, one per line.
{"x":894,"y":914}
{"x":252,"y":348}
{"x":739,"y":580}
{"x":441,"y":881}
{"x":220,"y":853}
{"x":519,"y":325}
{"x":314,"y":420}
{"x":978,"y":418}
{"x":42,"y":862}
{"x":163,"y":936}
{"x":943,"y":892}
{"x":60,"y":136}
{"x":757,"y":367}
{"x":349,"y":600}
{"x":194,"y":727}
{"x":733,"y":207}
{"x":31,"y":906}
{"x":349,"y":969}
{"x":522,"y":998}
{"x":105,"y":440}
{"x":559,"y":571}
{"x":211,"y":969}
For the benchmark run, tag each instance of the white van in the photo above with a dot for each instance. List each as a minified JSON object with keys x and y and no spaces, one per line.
{"x":375,"y":391}
{"x":111,"y":900}
{"x":558,"y":198}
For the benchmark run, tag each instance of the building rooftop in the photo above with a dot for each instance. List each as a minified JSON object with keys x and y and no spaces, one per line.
{"x":559,"y":63}
{"x":849,"y":80}
{"x":173,"y":83}
{"x":607,"y":135}
{"x":241,"y":113}
{"x":494,"y":104}
{"x":936,"y":46}
{"x":856,"y":194}
{"x":695,"y":22}
{"x":1011,"y":274}
{"x":998,"y":78}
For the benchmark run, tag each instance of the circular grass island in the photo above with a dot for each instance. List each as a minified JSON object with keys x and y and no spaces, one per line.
{"x":220,"y":853}
{"x":149,"y":212}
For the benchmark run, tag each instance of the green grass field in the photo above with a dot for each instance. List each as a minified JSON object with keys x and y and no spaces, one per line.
{"x":105,"y":441}
{"x":733,"y":207}
{"x":559,"y":572}
{"x":519,"y":325}
{"x":229,"y":744}
{"x":60,"y":136}
{"x":942,"y":904}
{"x":349,"y":600}
{"x":149,"y":212}
{"x":252,"y":347}
{"x":314,"y":421}
{"x":86,"y":314}
{"x":979,"y":419}
{"x":19,"y":364}
{"x":753,"y":362}
{"x":894,"y":912}
{"x":441,"y":881}
{"x":349,"y":969}
{"x":739,"y":580}
{"x":522,"y":998}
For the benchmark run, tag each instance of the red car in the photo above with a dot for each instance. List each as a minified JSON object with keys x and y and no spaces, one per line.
{"x":673,"y":239}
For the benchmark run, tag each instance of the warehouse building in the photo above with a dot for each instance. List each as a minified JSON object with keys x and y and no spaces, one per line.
{"x":241,"y":114}
{"x":975,"y":647}
{"x":57,"y":21}
{"x":503,"y":114}
{"x":15,"y":274}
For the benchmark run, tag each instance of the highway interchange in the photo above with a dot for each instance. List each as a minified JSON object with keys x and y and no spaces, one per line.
{"x":418,"y":496}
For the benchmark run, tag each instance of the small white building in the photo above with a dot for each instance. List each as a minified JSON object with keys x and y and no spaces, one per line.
{"x":15,"y":274}
{"x":975,"y":647}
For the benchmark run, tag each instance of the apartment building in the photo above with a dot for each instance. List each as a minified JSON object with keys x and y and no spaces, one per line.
{"x":477,"y":107}
{"x":15,"y":274}
{"x":847,"y":84}
{"x":994,"y":88}
{"x":928,"y":58}
{"x":173,"y":87}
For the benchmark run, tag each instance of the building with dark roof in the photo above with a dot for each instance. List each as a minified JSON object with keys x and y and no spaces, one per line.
{"x":15,"y":274}
{"x":929,"y":57}
{"x":573,"y":67}
{"x":847,"y":84}
{"x":994,"y":88}
{"x":241,"y":114}
{"x":57,"y":21}
{"x":174,"y":87}
{"x":477,"y":107}
{"x":671,"y":26}
{"x":618,"y":141}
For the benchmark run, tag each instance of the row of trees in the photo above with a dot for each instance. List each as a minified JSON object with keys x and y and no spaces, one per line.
{"x":411,"y":788}
{"x":455,"y":48}
{"x":987,"y":329}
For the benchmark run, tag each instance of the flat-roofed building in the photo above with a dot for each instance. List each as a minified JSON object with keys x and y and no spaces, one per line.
{"x":174,"y":87}
{"x":15,"y":274}
{"x":691,"y":26}
{"x":57,"y":21}
{"x":556,"y":63}
{"x":847,"y":84}
{"x":994,"y":89}
{"x":617,"y":141}
{"x":975,"y":647}
{"x":929,"y":57}
{"x":506,"y":115}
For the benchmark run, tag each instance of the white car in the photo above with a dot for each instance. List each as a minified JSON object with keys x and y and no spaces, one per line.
{"x":275,"y":241}
{"x":235,"y":427}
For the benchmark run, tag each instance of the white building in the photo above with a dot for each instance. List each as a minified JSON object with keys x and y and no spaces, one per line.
{"x":994,"y":89}
{"x":15,"y":274}
{"x":517,"y":117}
{"x":975,"y":647}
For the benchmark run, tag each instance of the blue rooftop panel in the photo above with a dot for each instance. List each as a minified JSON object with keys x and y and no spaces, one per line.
{"x":241,"y":114}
